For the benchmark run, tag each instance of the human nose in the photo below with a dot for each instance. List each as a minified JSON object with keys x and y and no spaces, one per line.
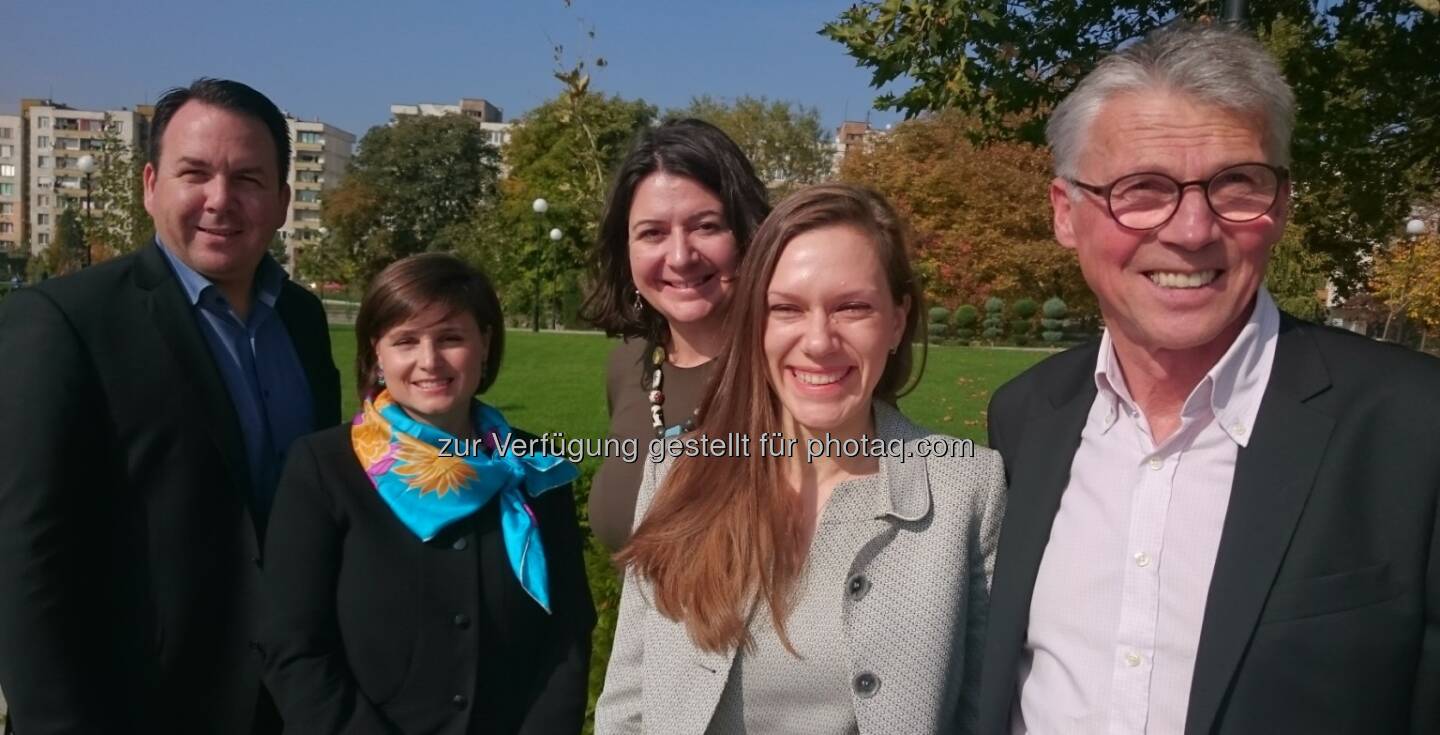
{"x":428,"y":356}
{"x":1194,"y":224}
{"x":217,"y":194}
{"x":679,"y":251}
{"x":819,"y":336}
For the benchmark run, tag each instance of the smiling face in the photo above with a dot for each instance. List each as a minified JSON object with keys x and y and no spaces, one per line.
{"x":432,"y":363}
{"x":682,"y":252}
{"x":1188,"y":284}
{"x":215,"y":194}
{"x":832,"y":322}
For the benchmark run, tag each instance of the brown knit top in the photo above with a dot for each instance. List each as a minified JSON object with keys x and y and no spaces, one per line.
{"x":627,"y":391}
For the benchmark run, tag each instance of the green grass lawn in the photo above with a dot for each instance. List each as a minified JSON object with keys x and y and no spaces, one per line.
{"x":556,"y":382}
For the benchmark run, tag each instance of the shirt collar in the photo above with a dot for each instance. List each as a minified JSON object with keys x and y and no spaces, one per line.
{"x":1231,"y":389}
{"x":269,"y":278}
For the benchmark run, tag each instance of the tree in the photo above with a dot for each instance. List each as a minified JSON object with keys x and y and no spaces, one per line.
{"x":981,"y":214}
{"x":1367,"y":135}
{"x":551,"y":156}
{"x":785,"y":141}
{"x":1296,"y":277}
{"x":408,"y":186}
{"x":1407,"y":279}
{"x":65,"y":253}
{"x":120,"y":223}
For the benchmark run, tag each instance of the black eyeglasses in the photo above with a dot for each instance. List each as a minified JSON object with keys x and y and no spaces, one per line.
{"x":1147,"y":200}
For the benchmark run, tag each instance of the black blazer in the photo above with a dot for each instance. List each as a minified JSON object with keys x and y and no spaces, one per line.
{"x":1324,"y":610}
{"x":373,"y":631}
{"x":129,"y":580}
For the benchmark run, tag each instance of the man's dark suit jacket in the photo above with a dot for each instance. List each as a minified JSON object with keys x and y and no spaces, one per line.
{"x":129,"y":560}
{"x":1323,"y":614}
{"x":373,"y":631}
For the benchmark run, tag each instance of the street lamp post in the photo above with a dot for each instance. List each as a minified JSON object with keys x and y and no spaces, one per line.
{"x":555,"y":236}
{"x":86,"y":164}
{"x":540,"y":206}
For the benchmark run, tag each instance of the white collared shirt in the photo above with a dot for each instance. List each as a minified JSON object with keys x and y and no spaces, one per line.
{"x":1119,"y":600}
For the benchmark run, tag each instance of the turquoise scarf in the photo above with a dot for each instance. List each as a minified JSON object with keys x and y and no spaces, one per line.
{"x":431,"y":479}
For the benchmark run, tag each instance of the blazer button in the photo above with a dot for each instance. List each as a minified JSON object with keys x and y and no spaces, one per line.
{"x":866,"y":684}
{"x":459,"y":701}
{"x":459,"y":544}
{"x":859,"y":586}
{"x":462,"y":621}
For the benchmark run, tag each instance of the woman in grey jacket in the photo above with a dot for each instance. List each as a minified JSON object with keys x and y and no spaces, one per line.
{"x":808,"y":560}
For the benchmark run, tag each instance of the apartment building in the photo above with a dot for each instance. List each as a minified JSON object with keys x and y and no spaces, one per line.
{"x":490,"y":117}
{"x":56,"y":137}
{"x":12,"y":184}
{"x":319,"y":157}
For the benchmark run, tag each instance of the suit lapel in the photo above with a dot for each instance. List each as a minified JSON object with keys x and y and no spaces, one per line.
{"x":1273,"y":477}
{"x":173,"y":316}
{"x":1039,"y":471}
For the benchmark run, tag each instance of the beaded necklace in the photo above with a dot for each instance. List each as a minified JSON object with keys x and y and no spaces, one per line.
{"x":657,"y":399}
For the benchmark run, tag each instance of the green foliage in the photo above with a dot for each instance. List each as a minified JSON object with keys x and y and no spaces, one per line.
{"x":1024,"y":308}
{"x":966,"y":315}
{"x":937,"y":331}
{"x":1296,"y":276}
{"x":1019,"y":327}
{"x":66,"y":252}
{"x":120,"y":223}
{"x":1367,"y":139}
{"x":409,"y":185}
{"x":994,"y":305}
{"x":554,"y":153}
{"x":786,"y":142}
{"x":1055,"y":308}
{"x":939,"y":315}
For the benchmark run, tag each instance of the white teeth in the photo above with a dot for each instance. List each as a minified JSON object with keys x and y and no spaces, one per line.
{"x":1165,"y":279}
{"x":432,"y":383}
{"x":819,"y":378}
{"x":688,"y":284}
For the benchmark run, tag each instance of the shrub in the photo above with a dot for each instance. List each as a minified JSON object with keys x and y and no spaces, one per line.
{"x":1024,"y":309}
{"x":939,"y":315}
{"x":966,"y":316}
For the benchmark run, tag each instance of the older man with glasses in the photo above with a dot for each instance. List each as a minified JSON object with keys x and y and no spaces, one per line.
{"x":1222,"y":519}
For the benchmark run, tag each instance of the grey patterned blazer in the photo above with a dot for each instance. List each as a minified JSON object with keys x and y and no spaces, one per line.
{"x":914,"y":606}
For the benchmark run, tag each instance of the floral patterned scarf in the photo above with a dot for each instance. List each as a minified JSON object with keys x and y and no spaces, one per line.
{"x":431,"y":479}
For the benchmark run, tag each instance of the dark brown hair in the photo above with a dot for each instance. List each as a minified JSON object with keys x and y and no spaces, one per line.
{"x":691,"y":148}
{"x":411,"y":285}
{"x":235,"y":97}
{"x":723,"y":532}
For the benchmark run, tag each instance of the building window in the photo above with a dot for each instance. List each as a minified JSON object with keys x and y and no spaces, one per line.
{"x":309,"y":136}
{"x":42,"y":200}
{"x":7,"y":208}
{"x":7,"y":151}
{"x":42,"y":142}
{"x":42,"y":162}
{"x":6,"y":227}
{"x":42,"y":122}
{"x":309,"y":177}
{"x":5,"y":133}
{"x":42,"y":238}
{"x":42,"y":219}
{"x":7,"y":169}
{"x":307,"y":195}
{"x":7,"y":189}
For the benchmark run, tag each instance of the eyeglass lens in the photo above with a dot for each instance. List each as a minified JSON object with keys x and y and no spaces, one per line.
{"x":1238,"y":194}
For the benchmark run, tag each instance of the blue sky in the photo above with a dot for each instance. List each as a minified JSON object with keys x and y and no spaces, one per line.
{"x":347,"y":62}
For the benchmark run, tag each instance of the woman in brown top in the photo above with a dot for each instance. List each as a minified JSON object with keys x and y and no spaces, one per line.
{"x":679,"y":217}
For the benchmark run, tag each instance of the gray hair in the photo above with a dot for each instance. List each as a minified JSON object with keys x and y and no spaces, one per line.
{"x":1214,"y":65}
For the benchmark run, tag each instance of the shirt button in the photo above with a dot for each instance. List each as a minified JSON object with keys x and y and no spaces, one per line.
{"x":459,"y":544}
{"x":1132,"y":660}
{"x":858,"y":585}
{"x":462,"y":621}
{"x":1142,"y":559}
{"x":1156,"y":463}
{"x":459,"y":701}
{"x":866,"y":684}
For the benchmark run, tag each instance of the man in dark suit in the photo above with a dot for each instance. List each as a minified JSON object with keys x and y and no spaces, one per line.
{"x":1222,"y":519}
{"x":147,"y":406}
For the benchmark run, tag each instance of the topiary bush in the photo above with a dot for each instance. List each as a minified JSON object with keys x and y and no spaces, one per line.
{"x":994,"y":318}
{"x":964,"y":321}
{"x":1054,"y":323}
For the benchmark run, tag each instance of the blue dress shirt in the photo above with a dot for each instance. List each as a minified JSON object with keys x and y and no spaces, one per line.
{"x":260,"y":367}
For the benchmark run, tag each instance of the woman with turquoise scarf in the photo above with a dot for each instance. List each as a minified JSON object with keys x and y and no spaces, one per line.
{"x":423,"y":565}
